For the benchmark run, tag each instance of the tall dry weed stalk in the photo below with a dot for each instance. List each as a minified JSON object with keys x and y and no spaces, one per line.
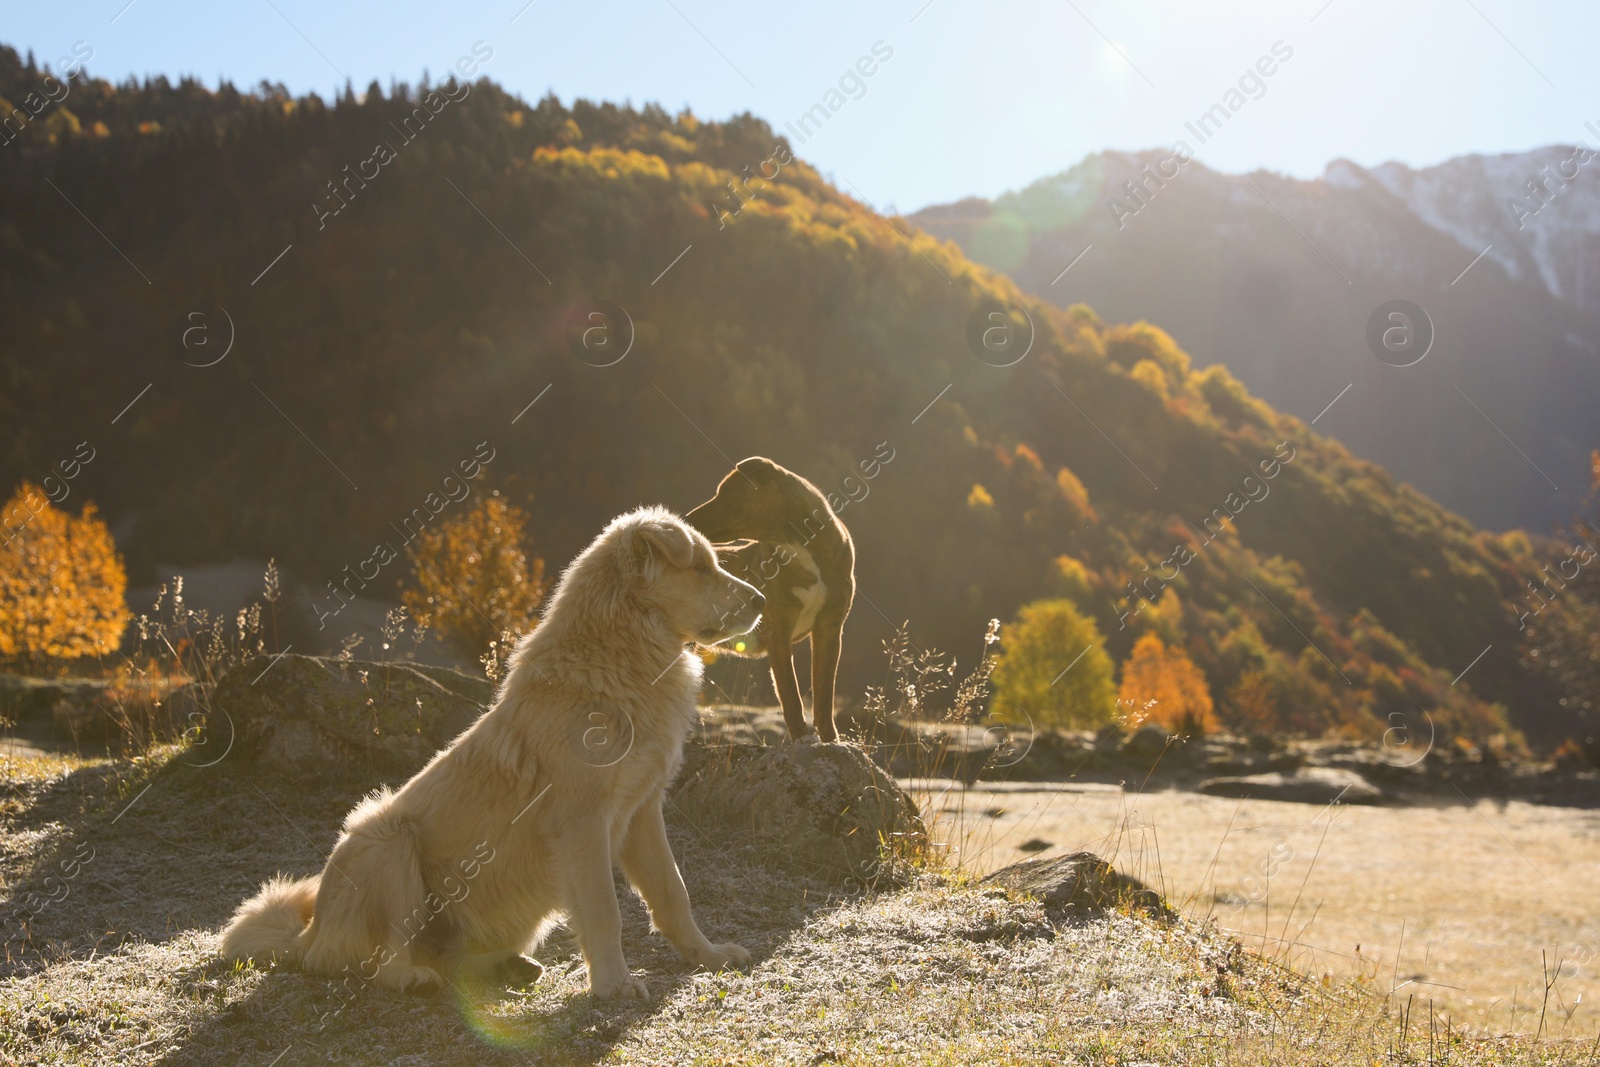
{"x":922,"y":721}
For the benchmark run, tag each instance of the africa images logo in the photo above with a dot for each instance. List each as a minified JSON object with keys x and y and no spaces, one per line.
{"x":1000,"y":334}
{"x":1400,"y":333}
{"x":600,"y":333}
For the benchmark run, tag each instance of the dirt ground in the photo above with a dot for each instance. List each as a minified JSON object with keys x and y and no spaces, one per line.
{"x":1469,"y":905}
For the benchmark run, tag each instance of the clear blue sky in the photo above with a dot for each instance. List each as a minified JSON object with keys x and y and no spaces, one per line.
{"x":979,"y":96}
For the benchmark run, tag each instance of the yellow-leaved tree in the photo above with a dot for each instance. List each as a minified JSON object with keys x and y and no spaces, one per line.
{"x":472,"y":580}
{"x":1161,"y":684}
{"x":62,"y":582}
{"x":1053,"y":669}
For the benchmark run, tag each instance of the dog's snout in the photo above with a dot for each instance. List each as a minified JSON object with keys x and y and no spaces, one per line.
{"x":757,"y":601}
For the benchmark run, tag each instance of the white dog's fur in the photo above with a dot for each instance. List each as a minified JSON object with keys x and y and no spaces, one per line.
{"x":520,"y":819}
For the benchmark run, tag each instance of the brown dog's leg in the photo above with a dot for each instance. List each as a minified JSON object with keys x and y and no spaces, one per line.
{"x":781,"y":658}
{"x":825,"y":641}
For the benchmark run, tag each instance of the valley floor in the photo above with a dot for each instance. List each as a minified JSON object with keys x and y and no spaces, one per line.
{"x":1471,"y":905}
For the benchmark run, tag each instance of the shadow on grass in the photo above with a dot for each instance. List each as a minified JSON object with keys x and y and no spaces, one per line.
{"x":143,"y":851}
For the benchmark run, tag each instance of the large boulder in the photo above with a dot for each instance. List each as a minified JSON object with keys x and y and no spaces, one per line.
{"x":826,"y":808}
{"x":1077,"y":885}
{"x":307,"y":715}
{"x":1308,"y":785}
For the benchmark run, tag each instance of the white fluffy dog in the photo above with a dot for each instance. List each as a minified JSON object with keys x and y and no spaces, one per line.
{"x":520,"y":819}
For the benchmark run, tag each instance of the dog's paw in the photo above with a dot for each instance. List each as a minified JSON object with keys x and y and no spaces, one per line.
{"x":518,"y":970}
{"x":420,"y":980}
{"x":723,"y":956}
{"x":625,"y":988}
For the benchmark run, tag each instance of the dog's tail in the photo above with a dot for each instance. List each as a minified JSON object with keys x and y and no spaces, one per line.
{"x":271,"y":924}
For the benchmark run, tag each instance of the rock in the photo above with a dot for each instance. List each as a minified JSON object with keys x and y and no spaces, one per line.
{"x":1251,"y":762}
{"x":188,"y":699}
{"x":959,"y":751}
{"x":304,"y":715}
{"x":101,"y":711}
{"x":1308,"y":785}
{"x":81,"y":716}
{"x":1146,"y":743}
{"x":124,"y":715}
{"x":1386,"y":767}
{"x":1078,"y":884}
{"x":24,"y":698}
{"x":1108,"y":738}
{"x":824,"y":807}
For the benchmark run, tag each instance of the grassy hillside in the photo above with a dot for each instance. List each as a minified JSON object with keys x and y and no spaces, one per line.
{"x":380,"y":345}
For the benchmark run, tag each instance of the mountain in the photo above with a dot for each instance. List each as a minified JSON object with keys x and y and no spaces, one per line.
{"x":1277,"y":279}
{"x":438,"y":289}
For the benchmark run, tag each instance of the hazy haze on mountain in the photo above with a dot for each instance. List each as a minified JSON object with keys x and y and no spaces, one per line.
{"x":1277,"y":278}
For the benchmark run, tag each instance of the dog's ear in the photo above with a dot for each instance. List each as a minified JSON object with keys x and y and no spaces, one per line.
{"x":733,"y":555}
{"x":759,"y":469}
{"x":669,"y":543}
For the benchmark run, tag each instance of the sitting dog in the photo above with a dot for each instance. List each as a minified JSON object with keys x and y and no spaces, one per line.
{"x":803,"y":562}
{"x":521,"y":818}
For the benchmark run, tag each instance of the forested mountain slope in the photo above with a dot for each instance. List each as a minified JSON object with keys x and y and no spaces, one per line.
{"x":1277,"y":279}
{"x":395,"y":320}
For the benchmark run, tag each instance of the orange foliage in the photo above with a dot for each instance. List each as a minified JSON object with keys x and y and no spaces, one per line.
{"x":1251,"y":703}
{"x":472,"y":581}
{"x":62,"y":581}
{"x":1075,"y":494}
{"x":1164,"y":679}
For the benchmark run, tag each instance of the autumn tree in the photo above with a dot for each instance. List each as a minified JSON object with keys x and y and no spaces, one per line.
{"x":1072,"y":579}
{"x":1053,"y":668}
{"x":62,"y":582}
{"x":1252,"y":705}
{"x":1161,"y":684}
{"x":472,"y":580}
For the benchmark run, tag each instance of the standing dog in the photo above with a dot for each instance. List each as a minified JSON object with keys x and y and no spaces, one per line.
{"x":802,"y":561}
{"x":521,"y":818}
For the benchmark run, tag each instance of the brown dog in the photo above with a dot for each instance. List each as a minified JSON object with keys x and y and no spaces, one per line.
{"x":803,"y":563}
